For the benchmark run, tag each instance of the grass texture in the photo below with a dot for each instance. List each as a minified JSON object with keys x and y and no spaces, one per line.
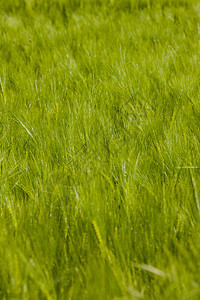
{"x":99,"y":149}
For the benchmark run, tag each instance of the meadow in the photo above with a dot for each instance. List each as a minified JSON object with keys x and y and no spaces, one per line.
{"x":99,"y":149}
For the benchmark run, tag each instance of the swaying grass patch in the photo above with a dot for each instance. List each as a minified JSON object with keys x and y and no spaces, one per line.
{"x":99,"y":153}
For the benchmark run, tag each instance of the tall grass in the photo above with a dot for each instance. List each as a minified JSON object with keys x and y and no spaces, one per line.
{"x":99,"y":149}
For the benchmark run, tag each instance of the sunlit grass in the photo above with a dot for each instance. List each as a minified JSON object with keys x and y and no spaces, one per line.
{"x":99,"y":152}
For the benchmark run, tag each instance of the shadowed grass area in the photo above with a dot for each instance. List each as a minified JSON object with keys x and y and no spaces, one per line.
{"x":99,"y":149}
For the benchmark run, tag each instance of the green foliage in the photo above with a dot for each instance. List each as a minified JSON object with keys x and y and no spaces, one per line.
{"x":99,"y":152}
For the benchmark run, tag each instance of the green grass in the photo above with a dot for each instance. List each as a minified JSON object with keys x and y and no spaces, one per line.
{"x":99,"y":149}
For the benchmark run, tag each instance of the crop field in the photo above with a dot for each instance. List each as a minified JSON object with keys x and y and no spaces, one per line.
{"x":100,"y":149}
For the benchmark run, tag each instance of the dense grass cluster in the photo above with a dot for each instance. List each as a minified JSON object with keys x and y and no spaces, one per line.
{"x":99,"y":149}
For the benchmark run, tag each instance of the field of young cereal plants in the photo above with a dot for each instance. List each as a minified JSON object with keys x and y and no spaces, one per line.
{"x":100,"y":149}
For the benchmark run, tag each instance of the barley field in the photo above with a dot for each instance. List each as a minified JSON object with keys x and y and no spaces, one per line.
{"x":100,"y":149}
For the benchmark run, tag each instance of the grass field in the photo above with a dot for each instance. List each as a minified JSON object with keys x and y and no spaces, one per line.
{"x":100,"y":149}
